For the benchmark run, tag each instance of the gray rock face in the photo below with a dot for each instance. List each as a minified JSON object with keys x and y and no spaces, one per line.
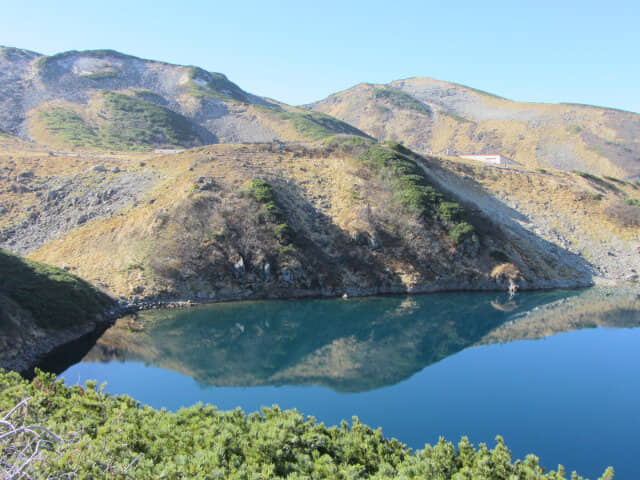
{"x":67,"y":204}
{"x":217,"y":109}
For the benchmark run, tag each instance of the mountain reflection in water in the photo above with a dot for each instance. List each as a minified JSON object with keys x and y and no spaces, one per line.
{"x":351,"y":346}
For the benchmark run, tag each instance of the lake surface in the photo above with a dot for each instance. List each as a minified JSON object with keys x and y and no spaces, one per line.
{"x":554,"y":373}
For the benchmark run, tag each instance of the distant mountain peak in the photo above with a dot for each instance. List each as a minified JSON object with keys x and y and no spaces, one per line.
{"x":58,"y":100}
{"x":437,"y":117}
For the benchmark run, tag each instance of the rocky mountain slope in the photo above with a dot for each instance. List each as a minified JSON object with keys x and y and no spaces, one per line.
{"x":432,"y":116}
{"x":105,"y":100}
{"x":345,"y":215}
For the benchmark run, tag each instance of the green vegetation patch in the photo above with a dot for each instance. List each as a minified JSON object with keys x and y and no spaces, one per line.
{"x":400,"y":99}
{"x":100,"y":75}
{"x":128,"y":123}
{"x":55,"y":298}
{"x":101,"y":436}
{"x":149,"y":96}
{"x":614,"y":179}
{"x":313,"y":125}
{"x":412,"y":190}
{"x":596,"y":179}
{"x":136,"y":124}
{"x":595,"y":196}
{"x":203,"y":84}
{"x":45,"y":63}
{"x":271,"y":211}
{"x":461,"y":232}
{"x":348,"y":143}
{"x":70,"y":127}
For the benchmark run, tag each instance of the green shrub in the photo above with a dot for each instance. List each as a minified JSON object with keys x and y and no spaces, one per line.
{"x":284,"y":232}
{"x":596,"y":179}
{"x":451,"y":212}
{"x":216,"y":85}
{"x":461,"y":232}
{"x":70,"y":128}
{"x":400,"y":99}
{"x":270,"y":209}
{"x":287,"y":249}
{"x":219,"y":236}
{"x":136,"y":124}
{"x":411,"y":187}
{"x":614,"y":179}
{"x":115,"y":437}
{"x":313,"y":125}
{"x":260,"y":191}
{"x":348,"y":143}
{"x":456,"y":117}
{"x":398,"y":147}
{"x":129,"y":123}
{"x":134,"y":266}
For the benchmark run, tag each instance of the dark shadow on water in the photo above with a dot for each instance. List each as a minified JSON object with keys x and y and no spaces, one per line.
{"x":66,"y":355}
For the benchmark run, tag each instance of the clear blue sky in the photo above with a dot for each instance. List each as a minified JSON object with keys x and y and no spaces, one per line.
{"x":298,"y":52}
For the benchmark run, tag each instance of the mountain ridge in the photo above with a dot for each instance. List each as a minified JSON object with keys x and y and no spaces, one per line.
{"x":73,"y":83}
{"x":457,"y":119}
{"x":57,"y":100}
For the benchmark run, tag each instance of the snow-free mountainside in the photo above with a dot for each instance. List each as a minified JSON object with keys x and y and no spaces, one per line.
{"x":128,"y":184}
{"x":441,"y":118}
{"x":104,"y":100}
{"x":162,"y":183}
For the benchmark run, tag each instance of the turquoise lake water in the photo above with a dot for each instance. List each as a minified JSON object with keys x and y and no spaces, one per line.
{"x":554,"y":373}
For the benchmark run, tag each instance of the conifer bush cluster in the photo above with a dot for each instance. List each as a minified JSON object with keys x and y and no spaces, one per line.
{"x":413,"y":191}
{"x":103,"y":436}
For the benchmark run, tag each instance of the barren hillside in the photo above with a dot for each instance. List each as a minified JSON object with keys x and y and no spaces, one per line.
{"x":267,"y":220}
{"x":432,"y":116}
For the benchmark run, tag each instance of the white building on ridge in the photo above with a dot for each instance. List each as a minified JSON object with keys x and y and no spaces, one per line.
{"x":491,"y":159}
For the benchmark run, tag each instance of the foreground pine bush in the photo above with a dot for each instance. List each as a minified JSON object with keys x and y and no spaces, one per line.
{"x":90,"y":434}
